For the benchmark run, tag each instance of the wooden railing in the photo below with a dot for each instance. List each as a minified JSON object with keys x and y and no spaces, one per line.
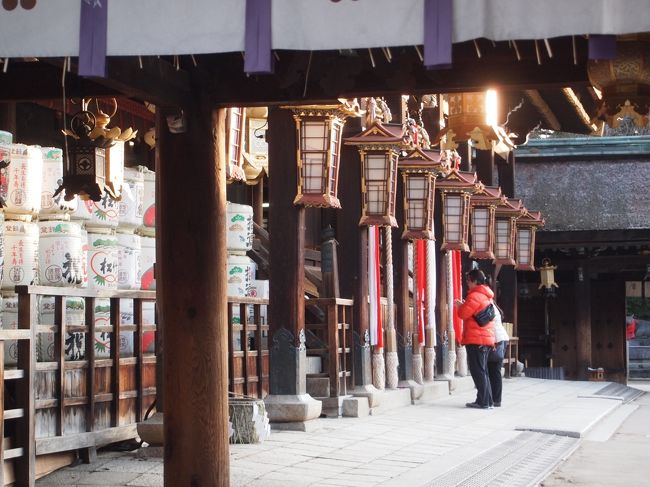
{"x":248,"y":353}
{"x":336,"y":331}
{"x":81,"y":403}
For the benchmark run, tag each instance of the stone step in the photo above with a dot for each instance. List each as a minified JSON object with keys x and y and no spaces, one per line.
{"x":640,"y":342}
{"x":639,"y":374}
{"x":639,"y":364}
{"x":639,"y":352}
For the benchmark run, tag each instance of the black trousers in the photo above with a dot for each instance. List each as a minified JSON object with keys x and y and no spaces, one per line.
{"x":477,"y":361}
{"x":495,"y":361}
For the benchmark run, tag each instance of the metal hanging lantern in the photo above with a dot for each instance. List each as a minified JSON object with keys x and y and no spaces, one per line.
{"x":95,"y":155}
{"x":526,"y":227}
{"x":505,"y":231}
{"x":419,"y":169}
{"x":456,"y":190}
{"x":483,"y":210}
{"x":379,"y":147}
{"x":547,"y":277}
{"x":319,"y":134}
{"x":84,"y":171}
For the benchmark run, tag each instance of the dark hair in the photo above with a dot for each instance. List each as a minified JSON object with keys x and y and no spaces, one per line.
{"x":477,"y":276}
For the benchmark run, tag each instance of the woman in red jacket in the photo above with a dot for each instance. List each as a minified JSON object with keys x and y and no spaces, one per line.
{"x":478,"y":340}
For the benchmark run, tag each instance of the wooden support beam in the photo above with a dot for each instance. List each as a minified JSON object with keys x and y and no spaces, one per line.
{"x":583,"y":321}
{"x":196,"y":421}
{"x":162,"y":140}
{"x":401,"y":282}
{"x":485,"y":169}
{"x":286,"y":260}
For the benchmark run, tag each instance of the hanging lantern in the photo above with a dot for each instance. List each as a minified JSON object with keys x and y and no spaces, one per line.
{"x":319,"y":133}
{"x":95,"y":162}
{"x":473,"y":117}
{"x":234,"y":144}
{"x":419,"y":169}
{"x":379,"y":146}
{"x":526,"y":226}
{"x":624,"y":82}
{"x":483,"y":209}
{"x":456,"y":190}
{"x":504,"y":231}
{"x":547,"y":277}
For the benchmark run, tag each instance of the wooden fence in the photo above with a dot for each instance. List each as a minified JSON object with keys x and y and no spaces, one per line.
{"x":83,"y":401}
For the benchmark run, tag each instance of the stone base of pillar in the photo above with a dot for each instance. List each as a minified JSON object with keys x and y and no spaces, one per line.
{"x":378,"y":371}
{"x":416,"y":389}
{"x":393,"y":399}
{"x":292,"y":408}
{"x":151,"y":430}
{"x":418,"y":375}
{"x":451,"y":363}
{"x":429,"y":364}
{"x":461,"y":361}
{"x":392,"y":365}
{"x":434,"y":390}
{"x":370,"y":392}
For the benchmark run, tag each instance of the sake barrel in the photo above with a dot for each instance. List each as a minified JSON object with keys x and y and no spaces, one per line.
{"x":102,"y":260}
{"x":59,"y":253}
{"x":239,"y":228}
{"x":102,"y":318}
{"x":21,"y":250}
{"x":84,"y":258}
{"x":83,"y":211}
{"x":2,"y":244}
{"x":104,"y":213}
{"x":6,"y":139}
{"x":75,"y":342}
{"x":9,"y":307}
{"x":128,"y":261}
{"x":149,"y":200}
{"x":53,"y":207}
{"x":147,"y":260}
{"x":241,"y":272}
{"x":131,"y":206}
{"x":24,"y":180}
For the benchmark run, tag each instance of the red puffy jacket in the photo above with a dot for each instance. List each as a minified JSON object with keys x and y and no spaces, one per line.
{"x":477,"y":299}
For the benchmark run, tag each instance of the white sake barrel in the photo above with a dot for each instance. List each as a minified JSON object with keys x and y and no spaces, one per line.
{"x":239,"y":228}
{"x":148,"y":318}
{"x":21,"y":251}
{"x":24,"y":180}
{"x":83,"y":211}
{"x":84,"y":258}
{"x":128,"y":261}
{"x":104,"y":213}
{"x":102,"y":318}
{"x":9,"y":307}
{"x":102,"y":260}
{"x":241,"y":272}
{"x":131,"y":206}
{"x":147,"y":260}
{"x":75,"y":343}
{"x":2,"y":244}
{"x":53,"y":207}
{"x":6,"y":138}
{"x":149,"y":200}
{"x":59,"y":253}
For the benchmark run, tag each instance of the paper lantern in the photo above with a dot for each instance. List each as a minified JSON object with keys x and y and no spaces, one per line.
{"x":456,"y":190}
{"x":483,"y":209}
{"x":505,"y":231}
{"x":525,"y":252}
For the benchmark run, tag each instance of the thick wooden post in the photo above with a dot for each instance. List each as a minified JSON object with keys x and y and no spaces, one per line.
{"x":507,"y":284}
{"x":485,"y":169}
{"x":289,"y":401}
{"x":583,"y":321}
{"x":193,"y":203}
{"x":162,"y":141}
{"x":258,"y":202}
{"x":401,"y":282}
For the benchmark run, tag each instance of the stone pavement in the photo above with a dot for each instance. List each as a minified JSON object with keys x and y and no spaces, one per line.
{"x":434,"y":443}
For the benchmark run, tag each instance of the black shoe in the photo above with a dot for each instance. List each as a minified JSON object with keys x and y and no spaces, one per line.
{"x":497,"y":404}
{"x":475,"y":405}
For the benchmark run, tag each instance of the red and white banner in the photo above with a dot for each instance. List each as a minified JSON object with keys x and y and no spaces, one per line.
{"x":432,"y":287}
{"x":374,"y":288}
{"x":457,"y":280}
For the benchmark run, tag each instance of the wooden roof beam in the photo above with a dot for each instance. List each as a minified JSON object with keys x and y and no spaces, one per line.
{"x":538,"y":102}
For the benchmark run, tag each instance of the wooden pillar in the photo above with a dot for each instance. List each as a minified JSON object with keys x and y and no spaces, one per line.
{"x":162,"y":140}
{"x":401,"y":283}
{"x":8,"y":117}
{"x":353,"y":254}
{"x":485,"y":169}
{"x":192,"y":171}
{"x":507,"y":277}
{"x":286,"y":260}
{"x":583,"y":320}
{"x":465,"y":152}
{"x":258,"y":202}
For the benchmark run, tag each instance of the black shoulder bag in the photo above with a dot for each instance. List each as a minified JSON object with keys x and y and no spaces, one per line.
{"x":486,"y":315}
